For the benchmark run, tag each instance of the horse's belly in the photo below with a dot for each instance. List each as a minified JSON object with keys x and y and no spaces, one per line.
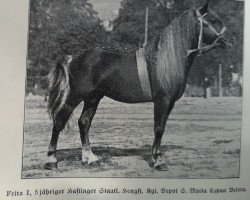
{"x":123,"y":85}
{"x":128,"y":98}
{"x":126,"y":92}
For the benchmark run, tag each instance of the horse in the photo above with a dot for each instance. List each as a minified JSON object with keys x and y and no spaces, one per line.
{"x":97,"y":73}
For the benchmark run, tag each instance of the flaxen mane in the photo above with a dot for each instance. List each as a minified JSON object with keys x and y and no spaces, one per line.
{"x":170,"y":57}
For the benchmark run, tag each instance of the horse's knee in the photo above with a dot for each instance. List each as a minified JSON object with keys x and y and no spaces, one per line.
{"x":83,"y":122}
{"x":158,"y":129}
{"x":59,"y":123}
{"x":158,"y":132}
{"x":58,"y":127}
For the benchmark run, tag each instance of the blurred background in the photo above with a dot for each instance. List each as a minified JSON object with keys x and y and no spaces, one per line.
{"x":59,"y":27}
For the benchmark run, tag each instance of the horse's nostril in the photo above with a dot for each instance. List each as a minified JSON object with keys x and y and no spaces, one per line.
{"x":229,"y":43}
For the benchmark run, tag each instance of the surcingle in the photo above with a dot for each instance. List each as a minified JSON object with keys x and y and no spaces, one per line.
{"x":143,"y":73}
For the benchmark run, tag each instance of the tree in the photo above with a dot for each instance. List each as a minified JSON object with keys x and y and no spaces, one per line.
{"x":129,"y":25}
{"x":62,"y":27}
{"x":59,"y":27}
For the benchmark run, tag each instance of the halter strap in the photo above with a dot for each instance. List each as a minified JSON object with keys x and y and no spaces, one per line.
{"x":200,"y":19}
{"x":201,"y":49}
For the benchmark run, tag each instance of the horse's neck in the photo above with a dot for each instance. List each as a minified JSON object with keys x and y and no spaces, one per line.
{"x":185,"y":37}
{"x":182,"y":34}
{"x":170,"y":52}
{"x":189,"y":33}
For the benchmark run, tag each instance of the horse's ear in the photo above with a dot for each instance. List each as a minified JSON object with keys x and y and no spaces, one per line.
{"x":204,"y":9}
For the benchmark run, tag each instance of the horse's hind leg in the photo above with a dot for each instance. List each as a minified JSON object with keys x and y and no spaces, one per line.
{"x":162,"y":109}
{"x":58,"y":125}
{"x":84,"y":123}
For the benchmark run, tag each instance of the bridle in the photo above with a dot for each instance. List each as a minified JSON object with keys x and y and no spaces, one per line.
{"x":202,"y":21}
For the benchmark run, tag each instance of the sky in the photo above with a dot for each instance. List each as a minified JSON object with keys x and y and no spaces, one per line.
{"x":106,"y":8}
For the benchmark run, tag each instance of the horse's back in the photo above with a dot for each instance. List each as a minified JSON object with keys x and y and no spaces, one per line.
{"x":112,"y":74}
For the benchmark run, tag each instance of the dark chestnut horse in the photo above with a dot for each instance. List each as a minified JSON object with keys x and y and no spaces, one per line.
{"x":98,"y":73}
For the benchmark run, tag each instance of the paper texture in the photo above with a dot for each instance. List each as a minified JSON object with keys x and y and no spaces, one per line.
{"x":16,"y":183}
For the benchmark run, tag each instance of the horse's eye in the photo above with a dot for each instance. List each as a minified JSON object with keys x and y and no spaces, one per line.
{"x":213,"y":22}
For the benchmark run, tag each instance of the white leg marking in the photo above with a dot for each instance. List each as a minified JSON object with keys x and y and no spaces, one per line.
{"x":88,"y":156}
{"x":52,"y":159}
{"x":92,"y":158}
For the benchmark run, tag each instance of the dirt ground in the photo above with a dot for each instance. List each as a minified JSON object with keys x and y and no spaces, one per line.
{"x":201,"y":140}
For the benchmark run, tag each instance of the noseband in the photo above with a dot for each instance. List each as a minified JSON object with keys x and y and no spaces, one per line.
{"x":202,"y":21}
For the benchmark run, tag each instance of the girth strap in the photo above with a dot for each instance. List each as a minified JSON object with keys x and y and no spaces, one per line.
{"x":143,"y":73}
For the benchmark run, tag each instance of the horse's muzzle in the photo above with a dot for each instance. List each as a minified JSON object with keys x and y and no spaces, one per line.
{"x":225,"y":43}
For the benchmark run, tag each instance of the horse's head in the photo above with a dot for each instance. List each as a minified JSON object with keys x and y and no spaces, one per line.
{"x":211,"y":28}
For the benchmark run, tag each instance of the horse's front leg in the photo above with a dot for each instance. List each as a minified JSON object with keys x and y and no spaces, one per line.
{"x":84,"y":123}
{"x":162,"y":109}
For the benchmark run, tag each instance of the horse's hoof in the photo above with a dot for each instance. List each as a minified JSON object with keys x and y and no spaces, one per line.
{"x":50,"y":166}
{"x":151,"y":162}
{"x":51,"y":159}
{"x":161,"y":165}
{"x":84,"y":163}
{"x":95,"y":163}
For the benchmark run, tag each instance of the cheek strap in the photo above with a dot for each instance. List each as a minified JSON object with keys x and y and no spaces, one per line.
{"x":202,"y":49}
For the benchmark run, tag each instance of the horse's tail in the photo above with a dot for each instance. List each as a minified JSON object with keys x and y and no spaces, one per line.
{"x":58,"y":86}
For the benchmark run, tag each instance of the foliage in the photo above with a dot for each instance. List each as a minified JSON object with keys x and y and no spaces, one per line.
{"x":59,"y":27}
{"x":62,"y":27}
{"x":130,"y":24}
